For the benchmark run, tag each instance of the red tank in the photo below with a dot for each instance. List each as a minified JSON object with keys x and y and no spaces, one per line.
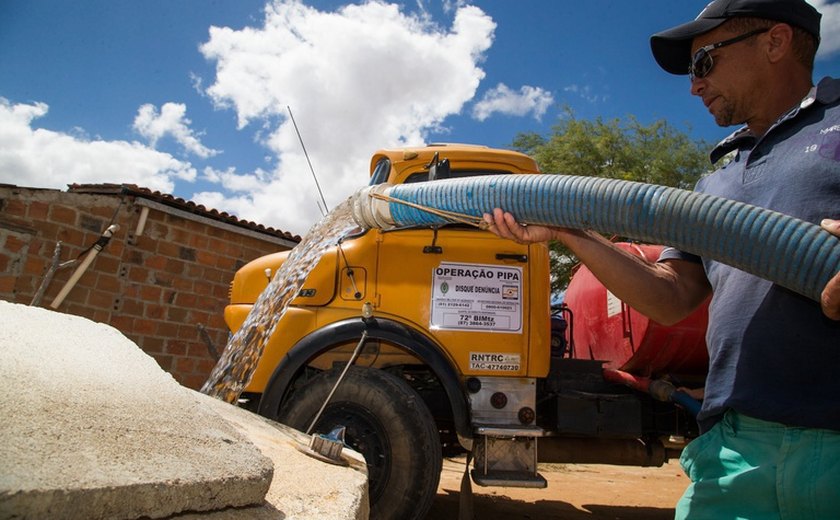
{"x":605,"y":328}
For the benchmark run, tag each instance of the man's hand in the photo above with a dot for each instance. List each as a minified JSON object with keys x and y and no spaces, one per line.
{"x":830,"y":299}
{"x":505,"y":225}
{"x":694,"y":393}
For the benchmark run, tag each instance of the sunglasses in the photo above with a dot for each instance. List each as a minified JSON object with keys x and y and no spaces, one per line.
{"x":702,"y":62}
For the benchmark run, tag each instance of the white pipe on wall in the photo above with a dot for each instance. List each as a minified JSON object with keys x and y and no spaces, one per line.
{"x":97,"y":247}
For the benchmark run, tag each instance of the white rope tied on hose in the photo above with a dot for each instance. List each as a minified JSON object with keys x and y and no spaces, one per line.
{"x":453,"y":216}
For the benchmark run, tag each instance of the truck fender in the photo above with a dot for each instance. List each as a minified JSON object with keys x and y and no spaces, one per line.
{"x":327,"y":337}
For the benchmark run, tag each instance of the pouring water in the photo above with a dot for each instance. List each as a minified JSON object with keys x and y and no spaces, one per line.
{"x":239,"y":359}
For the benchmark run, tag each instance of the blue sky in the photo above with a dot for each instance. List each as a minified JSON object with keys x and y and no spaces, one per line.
{"x":190,"y":97}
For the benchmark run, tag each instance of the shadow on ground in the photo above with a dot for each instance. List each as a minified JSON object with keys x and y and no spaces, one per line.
{"x":490,"y":507}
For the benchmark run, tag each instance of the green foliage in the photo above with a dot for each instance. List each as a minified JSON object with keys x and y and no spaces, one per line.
{"x":627,"y":150}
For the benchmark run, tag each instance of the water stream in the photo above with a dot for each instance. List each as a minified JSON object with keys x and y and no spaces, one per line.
{"x":239,"y":359}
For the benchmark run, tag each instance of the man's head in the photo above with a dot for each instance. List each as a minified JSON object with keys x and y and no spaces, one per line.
{"x":672,"y":48}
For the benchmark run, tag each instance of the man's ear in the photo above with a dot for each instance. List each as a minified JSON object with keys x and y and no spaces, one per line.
{"x":779,"y":42}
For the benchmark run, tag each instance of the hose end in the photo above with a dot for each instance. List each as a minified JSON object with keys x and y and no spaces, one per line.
{"x":661,"y":390}
{"x":371,"y":212}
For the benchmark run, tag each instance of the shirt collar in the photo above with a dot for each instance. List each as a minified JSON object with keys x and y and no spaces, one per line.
{"x":827,"y":91}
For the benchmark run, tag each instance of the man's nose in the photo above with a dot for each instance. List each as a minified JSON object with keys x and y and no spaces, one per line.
{"x":697,"y":85}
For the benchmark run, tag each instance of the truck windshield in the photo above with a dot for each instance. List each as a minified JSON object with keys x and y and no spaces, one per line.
{"x":455,"y":174}
{"x":383,"y":169}
{"x":380,"y":173}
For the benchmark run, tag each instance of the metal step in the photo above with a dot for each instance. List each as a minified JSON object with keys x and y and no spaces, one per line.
{"x":509,"y":432}
{"x":509,"y":479}
{"x":507,"y":457}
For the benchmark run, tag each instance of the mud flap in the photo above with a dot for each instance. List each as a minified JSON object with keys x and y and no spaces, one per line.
{"x":465,"y":500}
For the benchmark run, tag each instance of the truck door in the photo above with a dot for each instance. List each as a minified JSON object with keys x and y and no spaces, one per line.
{"x":485,"y":300}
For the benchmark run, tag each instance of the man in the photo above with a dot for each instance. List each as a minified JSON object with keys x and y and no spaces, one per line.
{"x":770,"y":421}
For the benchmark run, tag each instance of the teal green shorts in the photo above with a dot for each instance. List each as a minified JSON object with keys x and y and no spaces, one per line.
{"x":753,"y":469}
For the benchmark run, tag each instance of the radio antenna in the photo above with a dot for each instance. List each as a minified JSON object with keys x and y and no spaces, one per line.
{"x":325,"y":207}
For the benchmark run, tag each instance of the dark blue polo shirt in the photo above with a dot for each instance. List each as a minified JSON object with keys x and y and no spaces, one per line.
{"x":773,"y":354}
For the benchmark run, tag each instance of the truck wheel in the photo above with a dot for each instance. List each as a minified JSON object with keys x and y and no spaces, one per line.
{"x":388,"y":423}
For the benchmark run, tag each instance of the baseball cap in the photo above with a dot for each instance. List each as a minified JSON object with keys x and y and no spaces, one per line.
{"x":672,"y":48}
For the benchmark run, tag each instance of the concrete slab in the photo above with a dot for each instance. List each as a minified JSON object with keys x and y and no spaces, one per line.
{"x":302,"y":488}
{"x":92,"y":428}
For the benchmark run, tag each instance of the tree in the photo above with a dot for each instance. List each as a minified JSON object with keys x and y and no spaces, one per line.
{"x":627,"y":150}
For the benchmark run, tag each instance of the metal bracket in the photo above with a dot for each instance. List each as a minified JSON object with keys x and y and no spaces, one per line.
{"x":433,"y":249}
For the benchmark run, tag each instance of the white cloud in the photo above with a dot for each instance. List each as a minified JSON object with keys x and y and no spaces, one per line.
{"x":237,"y":183}
{"x":46,"y":159}
{"x":529,"y":100}
{"x":585,"y":92}
{"x":829,"y":27}
{"x":170,"y":121}
{"x":361,"y":78}
{"x":451,"y":5}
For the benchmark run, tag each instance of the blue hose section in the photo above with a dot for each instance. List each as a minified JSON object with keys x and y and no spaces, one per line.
{"x":691,"y":404}
{"x":788,"y":251}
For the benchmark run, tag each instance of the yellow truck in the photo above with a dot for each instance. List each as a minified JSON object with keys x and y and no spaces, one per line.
{"x":457,"y":355}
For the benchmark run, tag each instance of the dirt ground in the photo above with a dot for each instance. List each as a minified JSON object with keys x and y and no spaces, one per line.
{"x":574,"y":492}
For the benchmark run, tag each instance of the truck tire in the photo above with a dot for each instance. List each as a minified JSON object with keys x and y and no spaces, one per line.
{"x":388,"y":423}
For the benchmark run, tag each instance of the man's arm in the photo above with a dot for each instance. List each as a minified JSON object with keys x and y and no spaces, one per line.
{"x":666,"y":291}
{"x":830,"y":298}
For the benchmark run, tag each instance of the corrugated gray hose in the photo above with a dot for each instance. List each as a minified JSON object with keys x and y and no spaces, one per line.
{"x":788,"y":251}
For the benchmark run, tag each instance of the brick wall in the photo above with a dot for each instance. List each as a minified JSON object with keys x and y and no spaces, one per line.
{"x":165,"y":287}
